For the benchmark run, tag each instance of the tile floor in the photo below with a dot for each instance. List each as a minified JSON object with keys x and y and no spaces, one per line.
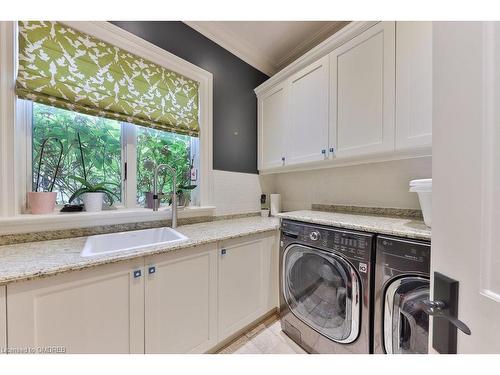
{"x":266,"y":338}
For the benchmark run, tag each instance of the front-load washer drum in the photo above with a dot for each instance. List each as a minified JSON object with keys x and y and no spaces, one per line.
{"x":322,"y":290}
{"x":406,"y":325}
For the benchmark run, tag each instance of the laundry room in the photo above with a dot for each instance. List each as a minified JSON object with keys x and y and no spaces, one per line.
{"x":191,"y":185}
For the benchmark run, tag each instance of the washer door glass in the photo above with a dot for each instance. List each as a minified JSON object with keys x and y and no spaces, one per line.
{"x":322,"y":290}
{"x":406,"y":325}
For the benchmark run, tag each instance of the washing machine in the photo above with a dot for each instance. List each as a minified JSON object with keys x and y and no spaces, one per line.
{"x":325,"y":285}
{"x":401,"y":284}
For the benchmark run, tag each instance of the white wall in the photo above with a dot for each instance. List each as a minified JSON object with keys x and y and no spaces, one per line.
{"x":382,"y":184}
{"x":236,"y":193}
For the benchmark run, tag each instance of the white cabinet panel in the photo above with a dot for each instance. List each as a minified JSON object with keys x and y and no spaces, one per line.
{"x":413,"y":84}
{"x":100,"y":310}
{"x":273,"y":119}
{"x":3,"y":319}
{"x":362,"y":93}
{"x":247,"y":278}
{"x":308,"y":129}
{"x":181,"y":301}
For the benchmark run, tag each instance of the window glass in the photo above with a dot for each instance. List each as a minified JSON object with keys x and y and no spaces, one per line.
{"x":101,"y":143}
{"x":178,"y":151}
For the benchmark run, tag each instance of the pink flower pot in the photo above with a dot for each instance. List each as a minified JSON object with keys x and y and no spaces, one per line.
{"x":41,"y":202}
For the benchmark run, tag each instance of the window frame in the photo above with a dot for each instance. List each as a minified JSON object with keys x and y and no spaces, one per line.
{"x":15,"y":122}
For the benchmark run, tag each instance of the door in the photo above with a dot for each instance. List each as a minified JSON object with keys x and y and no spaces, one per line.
{"x":245,"y":279}
{"x":406,"y":325}
{"x":3,"y":320}
{"x":322,"y":290}
{"x":466,"y":175}
{"x":180,"y":300}
{"x":308,"y":125}
{"x":362,"y":93}
{"x":273,"y":120}
{"x":100,"y":310}
{"x":413,"y":85}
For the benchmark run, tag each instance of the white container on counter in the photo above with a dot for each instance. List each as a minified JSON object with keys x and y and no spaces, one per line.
{"x":275,"y":204}
{"x":424,"y":190}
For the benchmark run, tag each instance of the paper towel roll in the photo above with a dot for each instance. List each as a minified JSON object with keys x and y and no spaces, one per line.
{"x":275,"y":204}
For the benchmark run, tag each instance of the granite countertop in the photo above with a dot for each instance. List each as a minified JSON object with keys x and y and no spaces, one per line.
{"x":395,"y":226}
{"x":36,"y":259}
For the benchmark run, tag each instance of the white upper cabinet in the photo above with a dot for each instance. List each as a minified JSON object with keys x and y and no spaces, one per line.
{"x":413,"y":85}
{"x":308,"y":129}
{"x":362,"y":93}
{"x":273,"y":118}
{"x":100,"y":310}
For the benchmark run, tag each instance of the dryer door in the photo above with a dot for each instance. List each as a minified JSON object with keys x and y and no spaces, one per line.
{"x":406,"y":326}
{"x":323,"y":290}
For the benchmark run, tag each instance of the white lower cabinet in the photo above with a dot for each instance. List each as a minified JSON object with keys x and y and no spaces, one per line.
{"x":99,"y":310}
{"x":180,"y":300}
{"x":185,"y":301}
{"x":248,"y":281}
{"x":3,"y":319}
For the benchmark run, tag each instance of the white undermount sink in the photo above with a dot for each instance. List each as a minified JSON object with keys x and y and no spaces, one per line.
{"x":124,"y":241}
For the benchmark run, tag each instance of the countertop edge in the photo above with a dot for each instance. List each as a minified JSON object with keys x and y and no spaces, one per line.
{"x":133,"y":255}
{"x":361,"y":227}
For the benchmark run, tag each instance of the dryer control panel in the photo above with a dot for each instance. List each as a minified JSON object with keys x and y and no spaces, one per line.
{"x":403,"y":255}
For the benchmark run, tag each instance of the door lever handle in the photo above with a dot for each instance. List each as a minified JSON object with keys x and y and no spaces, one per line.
{"x":438,"y":309}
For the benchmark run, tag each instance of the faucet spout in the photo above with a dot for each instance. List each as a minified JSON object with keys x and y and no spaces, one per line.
{"x":156,"y":194}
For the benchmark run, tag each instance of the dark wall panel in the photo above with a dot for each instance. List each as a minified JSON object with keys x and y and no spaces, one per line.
{"x":235,"y":104}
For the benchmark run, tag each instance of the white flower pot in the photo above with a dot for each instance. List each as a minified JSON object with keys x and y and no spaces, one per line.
{"x":93,"y":201}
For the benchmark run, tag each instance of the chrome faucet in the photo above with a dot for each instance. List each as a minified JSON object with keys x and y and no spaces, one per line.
{"x":157,"y":195}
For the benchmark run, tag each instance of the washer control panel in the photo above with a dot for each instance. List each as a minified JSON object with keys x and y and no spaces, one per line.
{"x":355,"y":245}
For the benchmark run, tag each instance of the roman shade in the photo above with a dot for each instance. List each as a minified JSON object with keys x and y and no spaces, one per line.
{"x":65,"y":68}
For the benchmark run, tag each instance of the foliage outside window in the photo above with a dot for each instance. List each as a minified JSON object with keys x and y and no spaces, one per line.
{"x":103,"y":149}
{"x":163,"y":148}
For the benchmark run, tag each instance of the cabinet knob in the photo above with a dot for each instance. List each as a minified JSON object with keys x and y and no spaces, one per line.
{"x":332,"y":150}
{"x":151,"y":270}
{"x":323,"y":151}
{"x":223,"y":252}
{"x":137,"y":273}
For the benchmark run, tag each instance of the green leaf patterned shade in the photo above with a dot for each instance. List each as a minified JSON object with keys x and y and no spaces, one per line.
{"x":65,"y":68}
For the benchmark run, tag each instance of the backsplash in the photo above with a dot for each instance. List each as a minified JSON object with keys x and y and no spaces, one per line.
{"x":383,"y":184}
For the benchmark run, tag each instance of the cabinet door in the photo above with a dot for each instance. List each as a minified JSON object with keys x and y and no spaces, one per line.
{"x":362,"y":93}
{"x":181,"y":301}
{"x":308,"y":130}
{"x":273,"y":119}
{"x":246,"y":282}
{"x":3,"y":320}
{"x":100,"y":310}
{"x":414,"y":84}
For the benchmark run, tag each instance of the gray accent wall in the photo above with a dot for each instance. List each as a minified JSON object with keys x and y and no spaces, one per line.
{"x":235,"y":103}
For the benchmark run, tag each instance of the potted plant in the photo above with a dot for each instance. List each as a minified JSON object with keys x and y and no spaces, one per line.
{"x":44,"y":202}
{"x":184,"y":195}
{"x":93,"y":194}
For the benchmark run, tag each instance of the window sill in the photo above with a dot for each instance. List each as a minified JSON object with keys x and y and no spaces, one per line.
{"x":37,"y":223}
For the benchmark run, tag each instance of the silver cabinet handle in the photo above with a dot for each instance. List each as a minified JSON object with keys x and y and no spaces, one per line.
{"x":438,"y":309}
{"x":137,"y":273}
{"x":332,"y":150}
{"x":283,"y":160}
{"x":323,"y":151}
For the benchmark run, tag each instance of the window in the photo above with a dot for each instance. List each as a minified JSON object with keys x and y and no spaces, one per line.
{"x":106,"y":144}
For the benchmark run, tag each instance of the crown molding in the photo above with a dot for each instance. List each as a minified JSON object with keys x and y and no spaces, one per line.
{"x":229,"y":41}
{"x":336,"y":40}
{"x":311,"y":42}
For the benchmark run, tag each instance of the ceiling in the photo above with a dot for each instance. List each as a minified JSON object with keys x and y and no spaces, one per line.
{"x":267,"y":45}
